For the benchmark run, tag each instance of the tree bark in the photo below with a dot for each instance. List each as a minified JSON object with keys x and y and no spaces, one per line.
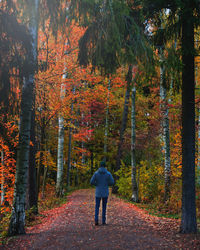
{"x":188,"y":218}
{"x":106,"y":123}
{"x":17,"y":220}
{"x":44,"y":181}
{"x":123,"y":125}
{"x":69,"y":157}
{"x":165,"y":130}
{"x":92,"y":163}
{"x":60,"y":154}
{"x":70,"y":146}
{"x":42,"y":149}
{"x":133,"y":159}
{"x":32,"y":183}
{"x":198,"y":156}
{"x":77,"y":178}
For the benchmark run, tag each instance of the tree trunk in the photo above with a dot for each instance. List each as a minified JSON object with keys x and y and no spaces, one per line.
{"x":106,"y":124}
{"x":82,"y":143}
{"x":123,"y":125}
{"x":69,"y":157}
{"x":70,"y":147}
{"x":188,"y":219}
{"x":44,"y":181}
{"x":32,"y":184}
{"x":42,"y":149}
{"x":198,"y":156}
{"x":133,"y":159}
{"x":76,"y":178}
{"x":165,"y":130}
{"x":60,"y":156}
{"x":92,"y":163}
{"x":17,"y":220}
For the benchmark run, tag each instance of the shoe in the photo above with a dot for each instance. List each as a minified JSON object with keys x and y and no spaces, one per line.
{"x":104,"y":224}
{"x":96,"y":223}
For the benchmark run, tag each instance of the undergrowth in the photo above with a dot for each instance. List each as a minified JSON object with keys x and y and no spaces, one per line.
{"x":45,"y":202}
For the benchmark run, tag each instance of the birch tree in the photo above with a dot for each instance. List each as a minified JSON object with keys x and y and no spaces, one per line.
{"x":165,"y":127}
{"x":107,"y":122}
{"x":133,"y":158}
{"x":60,"y":152}
{"x":70,"y":145}
{"x":17,"y":220}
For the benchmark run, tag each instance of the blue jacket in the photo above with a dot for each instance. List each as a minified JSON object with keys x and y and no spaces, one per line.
{"x":102,"y":178}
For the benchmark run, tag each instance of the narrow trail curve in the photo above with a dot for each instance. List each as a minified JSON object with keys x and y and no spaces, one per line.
{"x":72,"y":227}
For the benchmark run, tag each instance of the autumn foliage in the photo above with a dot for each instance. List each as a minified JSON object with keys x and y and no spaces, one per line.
{"x":84,"y":107}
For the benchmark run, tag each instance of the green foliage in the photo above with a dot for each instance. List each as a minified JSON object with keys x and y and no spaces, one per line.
{"x":4,"y":226}
{"x":150,"y":181}
{"x":15,"y":44}
{"x":113,"y":35}
{"x":30,"y":214}
{"x":124,"y":181}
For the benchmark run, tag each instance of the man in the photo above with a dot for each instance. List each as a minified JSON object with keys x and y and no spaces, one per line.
{"x":102,"y":178}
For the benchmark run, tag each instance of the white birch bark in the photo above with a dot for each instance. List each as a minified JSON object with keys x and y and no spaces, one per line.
{"x":60,"y":153}
{"x":70,"y":145}
{"x":165,"y":132}
{"x":17,"y":220}
{"x":133,"y":160}
{"x":2,"y":178}
{"x":107,"y":122}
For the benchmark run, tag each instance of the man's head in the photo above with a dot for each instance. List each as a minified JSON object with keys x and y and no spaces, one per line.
{"x":102,"y":164}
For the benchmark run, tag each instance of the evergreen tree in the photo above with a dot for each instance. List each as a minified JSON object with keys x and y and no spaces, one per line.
{"x":182,"y":20}
{"x":114,"y":36}
{"x":17,"y":221}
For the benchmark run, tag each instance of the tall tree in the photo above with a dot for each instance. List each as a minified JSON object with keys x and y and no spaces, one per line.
{"x":188,"y":218}
{"x":124,"y":123}
{"x":70,"y":144}
{"x":17,"y":220}
{"x":165,"y":126}
{"x":32,"y":199}
{"x":198,"y":155}
{"x":107,"y":122}
{"x":61,"y":134}
{"x":186,"y":11}
{"x":133,"y":141}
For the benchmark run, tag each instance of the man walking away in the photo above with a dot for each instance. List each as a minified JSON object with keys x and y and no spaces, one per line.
{"x":102,"y":178}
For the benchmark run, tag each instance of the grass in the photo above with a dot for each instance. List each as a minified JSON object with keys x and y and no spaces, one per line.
{"x":160,"y":210}
{"x":153,"y":210}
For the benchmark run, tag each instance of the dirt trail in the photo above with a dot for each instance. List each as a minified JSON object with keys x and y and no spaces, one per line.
{"x":72,"y":227}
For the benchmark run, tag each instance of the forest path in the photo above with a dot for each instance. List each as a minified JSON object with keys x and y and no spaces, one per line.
{"x":72,"y":227}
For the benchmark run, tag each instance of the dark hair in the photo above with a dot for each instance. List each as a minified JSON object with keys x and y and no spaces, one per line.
{"x":102,"y":164}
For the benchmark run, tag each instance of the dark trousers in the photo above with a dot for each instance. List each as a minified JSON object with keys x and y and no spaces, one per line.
{"x":97,"y":205}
